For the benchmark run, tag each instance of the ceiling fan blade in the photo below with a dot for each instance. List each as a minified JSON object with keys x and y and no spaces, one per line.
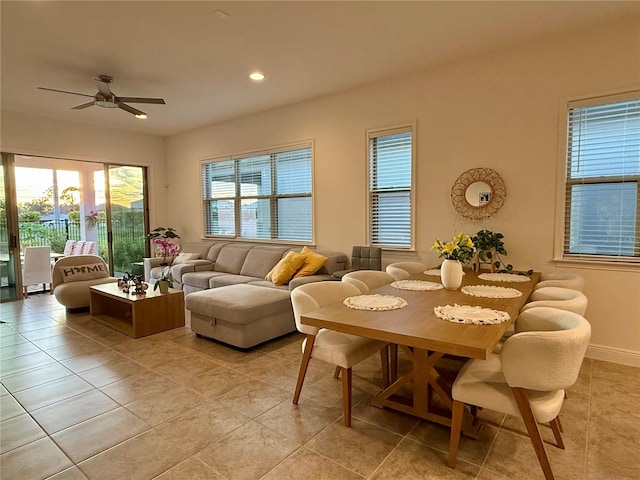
{"x":103,"y":88}
{"x":141,"y":100}
{"x":84,"y":105}
{"x":64,"y":91}
{"x":130,"y":109}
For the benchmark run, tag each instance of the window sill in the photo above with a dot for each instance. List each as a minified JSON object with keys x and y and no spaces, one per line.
{"x":597,"y":264}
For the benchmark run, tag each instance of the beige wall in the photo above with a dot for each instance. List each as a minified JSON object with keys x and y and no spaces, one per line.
{"x":32,"y":135}
{"x":499,"y":111}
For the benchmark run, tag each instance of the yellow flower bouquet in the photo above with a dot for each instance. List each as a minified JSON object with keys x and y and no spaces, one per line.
{"x":461,"y":248}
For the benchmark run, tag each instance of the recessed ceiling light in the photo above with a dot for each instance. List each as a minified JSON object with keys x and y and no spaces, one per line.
{"x":257,"y":76}
{"x":141,"y":115}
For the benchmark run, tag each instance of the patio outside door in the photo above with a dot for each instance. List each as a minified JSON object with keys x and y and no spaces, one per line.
{"x":127,"y":218}
{"x":9,"y":252}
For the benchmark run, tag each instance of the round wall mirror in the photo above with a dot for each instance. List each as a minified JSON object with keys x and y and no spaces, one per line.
{"x":478,"y":193}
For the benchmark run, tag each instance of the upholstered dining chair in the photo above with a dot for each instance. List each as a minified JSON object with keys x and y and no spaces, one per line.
{"x":560,"y":279}
{"x":36,"y":268}
{"x":403,"y":270}
{"x":363,"y":258}
{"x":367,"y":280}
{"x":557,"y":297}
{"x":527,"y":378}
{"x":340,"y":349}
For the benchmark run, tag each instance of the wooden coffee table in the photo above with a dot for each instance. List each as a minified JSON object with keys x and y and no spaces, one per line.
{"x":137,"y":315}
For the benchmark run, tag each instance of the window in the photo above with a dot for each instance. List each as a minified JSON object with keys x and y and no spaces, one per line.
{"x":391,"y":188}
{"x":602,"y":171}
{"x":263,"y":196}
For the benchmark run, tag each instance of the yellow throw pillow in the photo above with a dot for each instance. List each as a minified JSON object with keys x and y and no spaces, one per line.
{"x":313,"y":261}
{"x":285,"y":268}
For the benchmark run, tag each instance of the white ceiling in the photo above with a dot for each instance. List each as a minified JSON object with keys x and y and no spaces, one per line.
{"x":198,"y":62}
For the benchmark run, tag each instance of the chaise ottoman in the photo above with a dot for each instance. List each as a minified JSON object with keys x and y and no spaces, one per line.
{"x":241,"y":315}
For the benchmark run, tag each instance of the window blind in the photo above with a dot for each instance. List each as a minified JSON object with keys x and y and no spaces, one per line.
{"x":263,"y":196}
{"x":390,"y":188}
{"x":603,"y":170}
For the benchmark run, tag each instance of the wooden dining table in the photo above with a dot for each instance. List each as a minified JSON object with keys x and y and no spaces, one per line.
{"x":426,"y":339}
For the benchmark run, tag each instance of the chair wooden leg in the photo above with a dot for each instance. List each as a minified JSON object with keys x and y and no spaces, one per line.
{"x":384,"y":360}
{"x":559,"y":423}
{"x":456,"y":425}
{"x":555,"y":428}
{"x":304,"y":364}
{"x":336,"y":373}
{"x":24,"y":292}
{"x":524,"y":406}
{"x":346,"y":395}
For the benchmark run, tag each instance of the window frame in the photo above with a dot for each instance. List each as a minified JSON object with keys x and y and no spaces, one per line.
{"x":273,"y":197}
{"x":381,"y":132}
{"x":563,"y":213}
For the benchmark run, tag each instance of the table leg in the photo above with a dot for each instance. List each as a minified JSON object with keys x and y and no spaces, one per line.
{"x":426,"y":382}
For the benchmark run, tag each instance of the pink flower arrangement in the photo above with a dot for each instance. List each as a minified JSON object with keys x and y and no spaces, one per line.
{"x":166,"y":248}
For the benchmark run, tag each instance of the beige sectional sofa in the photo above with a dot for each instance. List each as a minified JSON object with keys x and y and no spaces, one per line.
{"x":227,"y":294}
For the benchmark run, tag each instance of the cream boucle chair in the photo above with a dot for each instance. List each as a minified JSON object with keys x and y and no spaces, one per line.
{"x":563,"y":280}
{"x":527,"y":379}
{"x":557,"y":297}
{"x":76,"y":294}
{"x":403,"y":270}
{"x":340,"y":349}
{"x":367,"y":280}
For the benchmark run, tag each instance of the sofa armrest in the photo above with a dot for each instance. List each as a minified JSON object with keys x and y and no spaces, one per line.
{"x":148,"y":264}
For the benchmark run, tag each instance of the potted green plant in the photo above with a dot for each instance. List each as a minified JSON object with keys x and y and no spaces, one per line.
{"x":489,"y":247}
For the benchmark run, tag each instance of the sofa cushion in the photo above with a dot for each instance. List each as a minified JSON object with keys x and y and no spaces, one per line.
{"x":240,"y":304}
{"x":201,"y":248}
{"x":285,"y":268}
{"x":76,"y":273}
{"x":312,"y":263}
{"x":214,"y":251}
{"x":224,"y":279}
{"x":199,"y":279}
{"x":261,"y":260}
{"x":231,"y":258}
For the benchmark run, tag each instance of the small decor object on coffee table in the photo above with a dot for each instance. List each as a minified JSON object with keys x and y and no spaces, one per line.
{"x":131,"y":282}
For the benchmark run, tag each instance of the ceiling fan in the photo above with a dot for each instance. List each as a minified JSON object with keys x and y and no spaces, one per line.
{"x":107,"y":99}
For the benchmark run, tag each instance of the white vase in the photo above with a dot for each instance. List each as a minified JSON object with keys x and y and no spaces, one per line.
{"x":451,"y":274}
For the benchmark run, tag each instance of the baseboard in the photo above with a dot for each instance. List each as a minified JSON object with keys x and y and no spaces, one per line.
{"x":615,"y":355}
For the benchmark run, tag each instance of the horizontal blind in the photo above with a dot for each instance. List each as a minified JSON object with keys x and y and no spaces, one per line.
{"x":265,"y":195}
{"x":390,"y":182}
{"x":603,"y":171}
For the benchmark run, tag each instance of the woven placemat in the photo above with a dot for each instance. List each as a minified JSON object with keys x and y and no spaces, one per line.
{"x":375,"y":302}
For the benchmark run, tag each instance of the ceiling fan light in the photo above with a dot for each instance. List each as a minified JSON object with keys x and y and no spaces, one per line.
{"x":106,"y":102}
{"x":141,"y":115}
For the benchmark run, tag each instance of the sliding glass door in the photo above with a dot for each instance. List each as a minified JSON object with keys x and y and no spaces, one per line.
{"x":127,"y":222}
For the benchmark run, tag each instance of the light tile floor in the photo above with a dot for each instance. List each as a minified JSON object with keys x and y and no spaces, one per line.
{"x":79,"y":400}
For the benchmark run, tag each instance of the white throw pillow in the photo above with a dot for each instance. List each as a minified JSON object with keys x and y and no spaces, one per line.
{"x":185,"y":257}
{"x":75,"y":273}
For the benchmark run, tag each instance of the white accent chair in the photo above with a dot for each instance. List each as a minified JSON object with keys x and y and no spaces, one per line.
{"x":36,"y":268}
{"x":557,"y":297}
{"x":527,"y":378}
{"x":340,"y":349}
{"x":75,"y":295}
{"x":367,"y":280}
{"x":563,"y":280}
{"x":404,"y":270}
